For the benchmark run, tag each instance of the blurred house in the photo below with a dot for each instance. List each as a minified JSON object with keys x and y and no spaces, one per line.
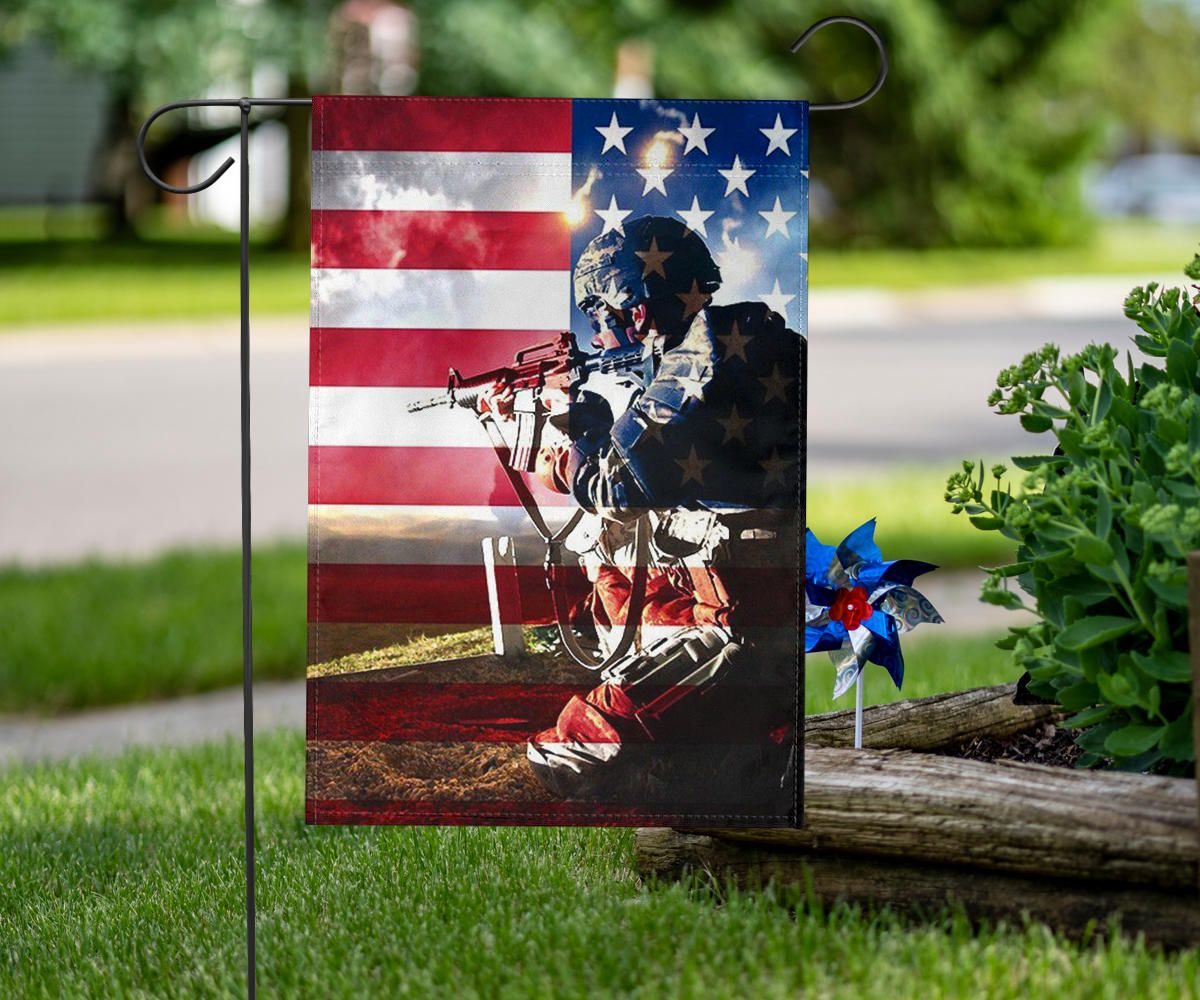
{"x":54,"y":121}
{"x":374,"y":44}
{"x":373,"y":49}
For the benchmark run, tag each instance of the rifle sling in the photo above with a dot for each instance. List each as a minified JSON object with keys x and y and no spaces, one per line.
{"x":554,"y":542}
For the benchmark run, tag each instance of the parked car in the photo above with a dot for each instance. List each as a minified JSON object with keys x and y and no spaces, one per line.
{"x":1160,"y":186}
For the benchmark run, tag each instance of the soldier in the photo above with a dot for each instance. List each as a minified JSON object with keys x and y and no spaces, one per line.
{"x":703,"y":461}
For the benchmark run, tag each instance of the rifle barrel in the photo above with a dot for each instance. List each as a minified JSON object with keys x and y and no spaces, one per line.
{"x":443,"y":399}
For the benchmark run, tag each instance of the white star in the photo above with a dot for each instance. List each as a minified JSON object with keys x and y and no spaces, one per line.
{"x":613,"y":216}
{"x":693,"y":467}
{"x":654,"y":177}
{"x":776,"y":385}
{"x":693,"y":385}
{"x":614,"y":296}
{"x":777,"y":220}
{"x":614,"y":135}
{"x":653,"y":259}
{"x":775,"y":467}
{"x":735,"y":178}
{"x":777,"y":300}
{"x":693,"y":300}
{"x":735,"y":426}
{"x":777,"y":137}
{"x":735,"y":343}
{"x":694,"y":217}
{"x":696,"y":135}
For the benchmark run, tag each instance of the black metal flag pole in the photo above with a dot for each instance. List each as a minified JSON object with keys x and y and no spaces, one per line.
{"x":245,"y":105}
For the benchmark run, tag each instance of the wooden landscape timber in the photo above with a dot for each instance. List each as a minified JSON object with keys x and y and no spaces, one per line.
{"x":933,"y":723}
{"x":919,"y":830}
{"x":1071,"y":906}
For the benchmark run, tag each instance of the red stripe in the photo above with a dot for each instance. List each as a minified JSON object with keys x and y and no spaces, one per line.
{"x":411,"y":357}
{"x":371,"y":711}
{"x":525,"y":241}
{"x":457,"y":595}
{"x":501,"y":813}
{"x":416,"y":594}
{"x":404,"y":476}
{"x":442,"y":124}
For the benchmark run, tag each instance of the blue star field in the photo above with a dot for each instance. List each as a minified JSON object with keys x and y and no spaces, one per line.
{"x":752,"y":213}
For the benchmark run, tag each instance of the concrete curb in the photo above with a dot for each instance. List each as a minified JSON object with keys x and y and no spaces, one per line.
{"x":1059,"y":298}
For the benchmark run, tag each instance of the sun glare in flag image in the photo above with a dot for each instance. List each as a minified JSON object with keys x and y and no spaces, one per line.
{"x":556,"y":469}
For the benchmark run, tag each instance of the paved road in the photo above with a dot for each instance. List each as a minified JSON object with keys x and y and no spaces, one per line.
{"x":124,"y":444}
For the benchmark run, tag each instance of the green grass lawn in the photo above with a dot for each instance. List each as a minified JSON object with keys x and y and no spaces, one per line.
{"x":75,"y":281}
{"x":124,"y":878}
{"x":1119,"y":248}
{"x":914,"y":521}
{"x":69,"y":277}
{"x":933,"y":663}
{"x":102,"y":632}
{"x":99,"y":632}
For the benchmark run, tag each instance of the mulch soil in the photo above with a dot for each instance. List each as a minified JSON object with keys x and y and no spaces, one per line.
{"x":1045,"y":744}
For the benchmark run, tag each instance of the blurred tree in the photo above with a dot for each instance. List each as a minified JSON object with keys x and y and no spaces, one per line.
{"x":1156,"y":48}
{"x":978,"y":137}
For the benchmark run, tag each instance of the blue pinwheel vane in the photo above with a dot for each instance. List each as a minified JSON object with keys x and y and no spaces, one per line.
{"x":857,"y":604}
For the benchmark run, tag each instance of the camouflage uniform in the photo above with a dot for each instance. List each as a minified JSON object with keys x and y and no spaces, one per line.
{"x":706,"y":458}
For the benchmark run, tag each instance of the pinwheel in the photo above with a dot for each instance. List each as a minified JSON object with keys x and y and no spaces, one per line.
{"x":857,"y":605}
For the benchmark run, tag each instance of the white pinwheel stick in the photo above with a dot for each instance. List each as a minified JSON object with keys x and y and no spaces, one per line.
{"x":858,"y":710}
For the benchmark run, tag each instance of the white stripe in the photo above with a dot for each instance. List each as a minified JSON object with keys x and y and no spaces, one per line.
{"x":441,"y":299}
{"x":444,"y":182}
{"x":422,"y":535}
{"x":378,"y":417}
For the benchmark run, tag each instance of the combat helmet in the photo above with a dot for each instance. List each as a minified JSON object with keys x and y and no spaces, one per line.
{"x":655,"y":261}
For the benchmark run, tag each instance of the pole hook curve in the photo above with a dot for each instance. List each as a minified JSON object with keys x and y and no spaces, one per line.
{"x":880,"y":47}
{"x":145,"y":129}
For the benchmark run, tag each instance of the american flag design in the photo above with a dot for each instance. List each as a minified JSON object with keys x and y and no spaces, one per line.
{"x":449,"y":234}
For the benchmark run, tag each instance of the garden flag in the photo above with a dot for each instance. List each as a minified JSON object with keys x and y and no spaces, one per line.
{"x":556,"y":460}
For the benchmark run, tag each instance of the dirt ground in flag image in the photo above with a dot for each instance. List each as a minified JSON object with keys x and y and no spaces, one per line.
{"x":383,"y":770}
{"x":556,"y":462}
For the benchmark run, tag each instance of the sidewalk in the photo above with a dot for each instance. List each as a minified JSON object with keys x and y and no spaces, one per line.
{"x":1061,"y":298}
{"x":177,"y":722}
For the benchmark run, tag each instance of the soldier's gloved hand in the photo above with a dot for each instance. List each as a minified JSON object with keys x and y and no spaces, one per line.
{"x":590,"y":416}
{"x":497,"y":399}
{"x":552,"y":467}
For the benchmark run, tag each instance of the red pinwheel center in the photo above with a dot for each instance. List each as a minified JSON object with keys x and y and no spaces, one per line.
{"x":850,"y":607}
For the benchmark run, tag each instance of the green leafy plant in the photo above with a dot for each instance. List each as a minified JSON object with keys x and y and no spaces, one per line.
{"x":1103,"y":527}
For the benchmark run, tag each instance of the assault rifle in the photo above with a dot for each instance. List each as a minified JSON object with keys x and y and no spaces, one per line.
{"x":556,"y":364}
